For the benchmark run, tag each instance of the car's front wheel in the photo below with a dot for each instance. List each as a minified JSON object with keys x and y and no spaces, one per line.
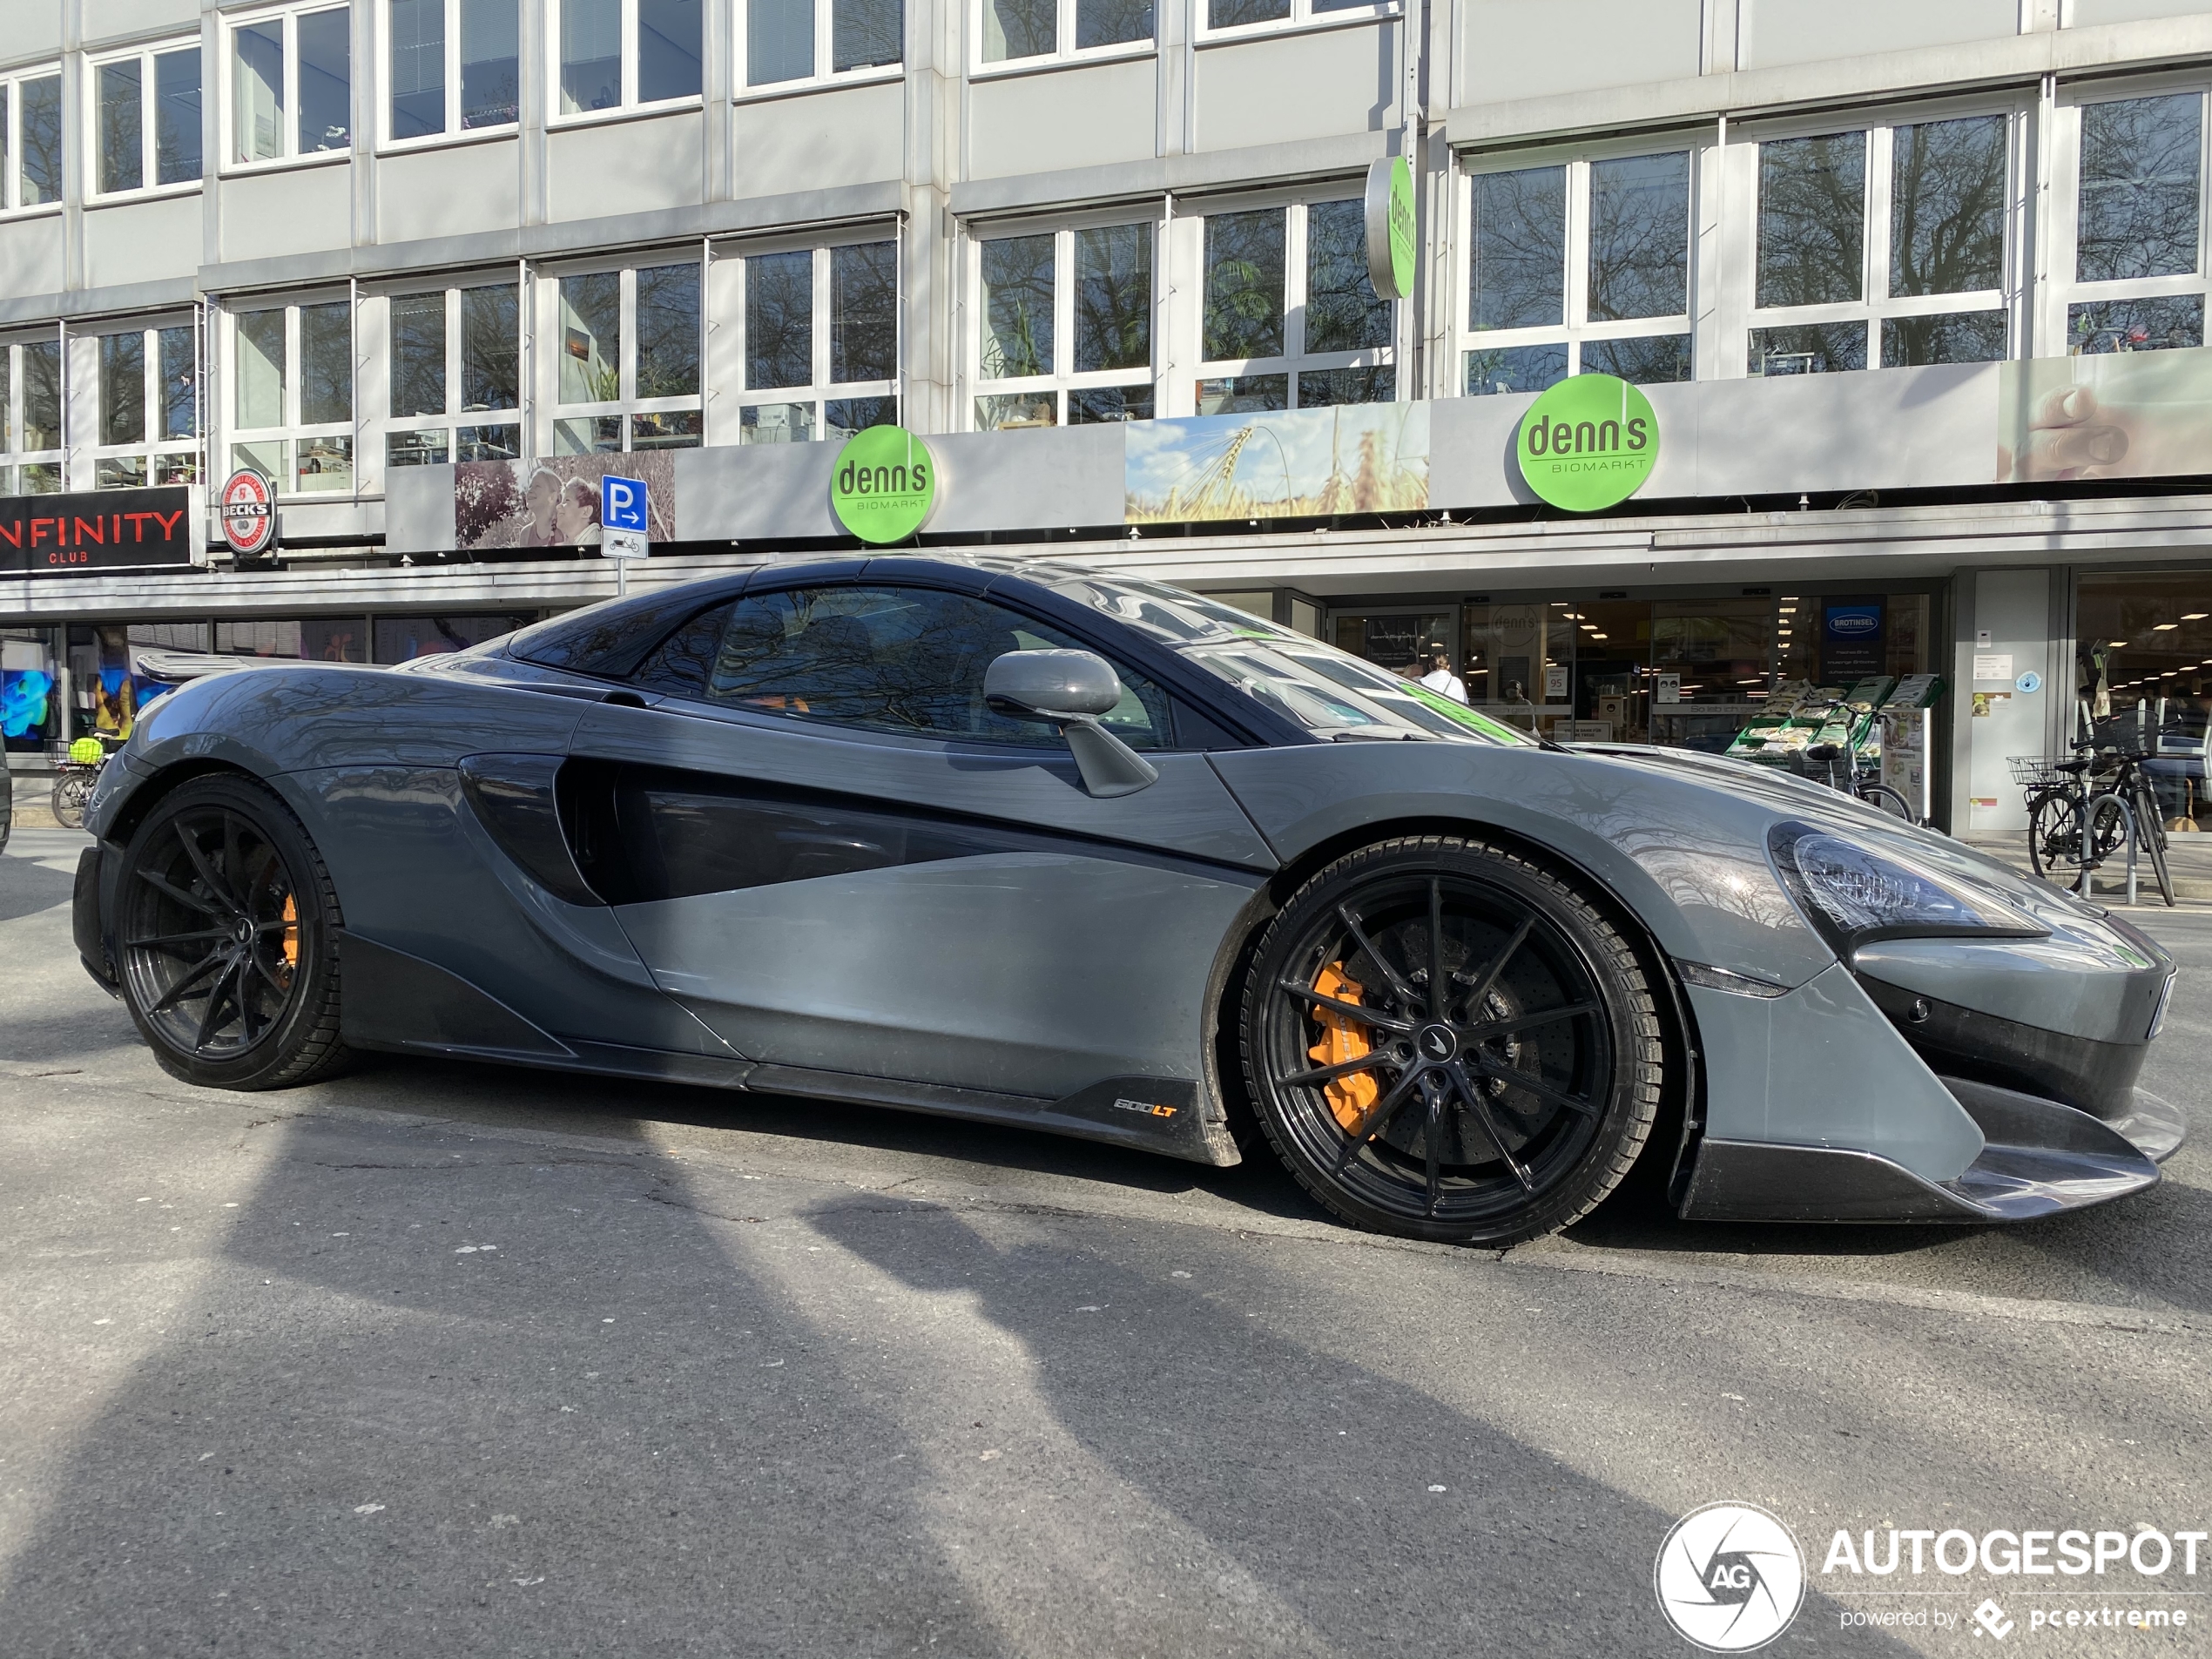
{"x":227,"y":938}
{"x":1445,"y":1041}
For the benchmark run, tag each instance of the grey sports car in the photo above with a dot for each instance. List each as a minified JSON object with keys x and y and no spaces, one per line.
{"x":1016,"y":841}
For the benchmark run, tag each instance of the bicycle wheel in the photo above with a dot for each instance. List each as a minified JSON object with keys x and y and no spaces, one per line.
{"x":2108,"y":831}
{"x":1889,"y":800}
{"x":2053,"y":831}
{"x":2153,"y":841}
{"x":72,"y":793}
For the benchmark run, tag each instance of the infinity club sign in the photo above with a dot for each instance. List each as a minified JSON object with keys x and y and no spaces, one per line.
{"x":114,"y":530}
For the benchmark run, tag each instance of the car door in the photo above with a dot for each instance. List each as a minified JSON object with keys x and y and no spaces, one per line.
{"x":822,"y":842}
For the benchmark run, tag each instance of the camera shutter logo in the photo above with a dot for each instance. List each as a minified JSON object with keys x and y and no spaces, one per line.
{"x":1730,"y":1577}
{"x":247,"y":510}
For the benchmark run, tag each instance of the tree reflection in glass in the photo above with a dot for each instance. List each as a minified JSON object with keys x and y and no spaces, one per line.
{"x":1244,"y":266}
{"x":863,"y":33}
{"x":2139,"y":203}
{"x":864,"y":311}
{"x":1343,"y":311}
{"x":1017,"y":306}
{"x":668,"y":331}
{"x":1812,"y":220}
{"x":1018,"y":28}
{"x":1110,"y":22}
{"x":1640,"y":237}
{"x":1947,"y":206}
{"x":779,"y":320}
{"x":1114,"y":298}
{"x":1517,"y":264}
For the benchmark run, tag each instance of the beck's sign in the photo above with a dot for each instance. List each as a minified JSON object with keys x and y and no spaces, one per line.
{"x":111,"y":529}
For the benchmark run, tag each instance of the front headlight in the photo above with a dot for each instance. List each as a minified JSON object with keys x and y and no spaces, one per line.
{"x":1854,"y":895}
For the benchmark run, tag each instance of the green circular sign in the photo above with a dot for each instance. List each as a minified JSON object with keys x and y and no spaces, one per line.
{"x":885,"y":484}
{"x":1404,"y":245}
{"x":1588,"y":442}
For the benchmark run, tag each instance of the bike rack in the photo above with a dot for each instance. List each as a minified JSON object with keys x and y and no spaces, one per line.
{"x":2082,"y":885}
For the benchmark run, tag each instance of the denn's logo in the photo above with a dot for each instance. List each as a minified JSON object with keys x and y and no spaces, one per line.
{"x":885,"y":484}
{"x":1730,"y":1577}
{"x":1588,"y":442}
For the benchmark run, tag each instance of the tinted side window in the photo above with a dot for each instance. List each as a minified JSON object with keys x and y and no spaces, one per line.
{"x":681,"y":662}
{"x":909,"y":660}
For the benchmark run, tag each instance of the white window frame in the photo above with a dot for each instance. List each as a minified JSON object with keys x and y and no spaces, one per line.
{"x":742,"y":93}
{"x":1063,"y":48}
{"x":293,"y":430}
{"x":1303,"y":17}
{"x":149,"y":447}
{"x":11,"y":84}
{"x":1576,"y":326}
{"x":453,"y":132}
{"x":149,"y":121}
{"x":290,"y":155}
{"x":630,"y":106}
{"x":2060,"y":292}
{"x":1876,"y":304}
{"x":12,"y":458}
{"x":546,"y":395}
{"x":1188,"y":339}
{"x":384,"y":422}
{"x":727,"y":391}
{"x":1063,"y":377}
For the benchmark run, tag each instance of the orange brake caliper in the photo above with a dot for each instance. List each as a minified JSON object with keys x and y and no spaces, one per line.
{"x":291,"y":932}
{"x":1342,"y":1038}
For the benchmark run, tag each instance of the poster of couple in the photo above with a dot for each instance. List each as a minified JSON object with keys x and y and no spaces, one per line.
{"x":553,"y":503}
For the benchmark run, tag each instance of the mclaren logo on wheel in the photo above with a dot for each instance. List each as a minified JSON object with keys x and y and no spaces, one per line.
{"x":1730,"y":1577}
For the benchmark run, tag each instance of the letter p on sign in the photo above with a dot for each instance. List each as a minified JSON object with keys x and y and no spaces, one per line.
{"x":622,"y":503}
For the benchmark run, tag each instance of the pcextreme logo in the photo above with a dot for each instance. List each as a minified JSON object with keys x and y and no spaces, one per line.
{"x":1730,"y":1577}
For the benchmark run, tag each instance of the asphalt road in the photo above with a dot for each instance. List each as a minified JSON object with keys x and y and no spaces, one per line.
{"x":438,"y":1359}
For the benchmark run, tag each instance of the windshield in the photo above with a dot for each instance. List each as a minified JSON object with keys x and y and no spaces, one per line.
{"x":1334,"y":694}
{"x":1328,"y":691}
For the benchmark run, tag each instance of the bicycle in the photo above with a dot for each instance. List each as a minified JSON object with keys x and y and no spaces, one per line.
{"x":76,"y":778}
{"x":1844,"y":755}
{"x":2071,"y":822}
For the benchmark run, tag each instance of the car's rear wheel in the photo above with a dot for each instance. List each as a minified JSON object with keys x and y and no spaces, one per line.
{"x":1443,"y":1040}
{"x":227,"y":938}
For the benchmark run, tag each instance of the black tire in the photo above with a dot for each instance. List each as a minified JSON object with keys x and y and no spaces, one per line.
{"x":1451,"y":1128}
{"x":2054,"y":832}
{"x":1889,"y":800}
{"x":227,"y":929}
{"x":72,"y":794}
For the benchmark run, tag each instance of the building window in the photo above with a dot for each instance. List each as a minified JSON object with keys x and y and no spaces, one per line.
{"x":149,"y":409}
{"x":627,"y":367}
{"x":622,"y":54}
{"x":798,"y":40}
{"x":456,"y":375}
{"x":1882,"y":247}
{"x":455,"y":66}
{"x":1064,"y":326}
{"x":1581,"y":267}
{"x":291,"y":395}
{"x":820,"y":342}
{"x":1289,"y":319}
{"x":292,"y":84}
{"x":1013,"y":30}
{"x":30,"y":417}
{"x":145,"y":121}
{"x":31,"y":141}
{"x":1238,"y":13}
{"x":2137,"y":271}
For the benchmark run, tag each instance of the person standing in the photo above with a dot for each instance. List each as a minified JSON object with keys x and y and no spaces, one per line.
{"x":1437,"y":676}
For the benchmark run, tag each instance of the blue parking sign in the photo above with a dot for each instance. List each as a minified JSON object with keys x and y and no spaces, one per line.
{"x":622,"y":503}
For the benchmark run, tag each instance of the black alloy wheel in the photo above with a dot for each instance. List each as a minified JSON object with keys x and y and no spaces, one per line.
{"x":226,"y":926}
{"x":1444,"y":1040}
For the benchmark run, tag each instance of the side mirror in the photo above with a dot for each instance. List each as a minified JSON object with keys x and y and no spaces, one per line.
{"x":1071,"y":689}
{"x":1051,"y":684}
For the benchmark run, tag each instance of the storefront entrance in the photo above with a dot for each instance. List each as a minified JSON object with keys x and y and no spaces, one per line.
{"x":1685,"y":671}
